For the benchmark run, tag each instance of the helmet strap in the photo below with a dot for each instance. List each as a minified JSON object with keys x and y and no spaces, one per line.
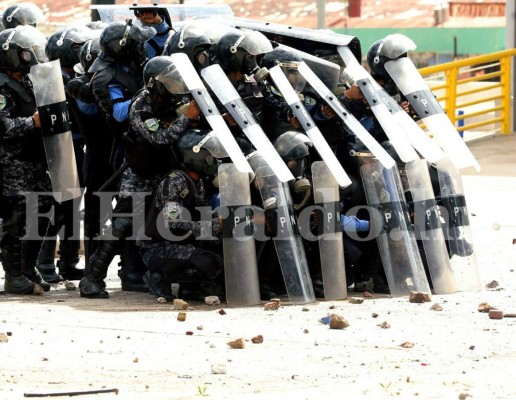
{"x":376,"y":58}
{"x":10,"y":16}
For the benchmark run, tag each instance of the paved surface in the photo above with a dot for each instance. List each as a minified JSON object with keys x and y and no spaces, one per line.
{"x":59,"y":342}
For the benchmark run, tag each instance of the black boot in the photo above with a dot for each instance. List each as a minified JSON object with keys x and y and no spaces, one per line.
{"x":159,"y":285}
{"x":69,"y":259}
{"x":93,"y":285}
{"x":31,"y":250}
{"x":46,"y":266}
{"x":15,"y":281}
{"x":133,"y":269}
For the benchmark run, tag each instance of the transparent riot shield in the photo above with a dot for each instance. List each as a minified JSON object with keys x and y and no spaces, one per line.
{"x":209,"y":110}
{"x":240,"y":269}
{"x":279,"y":212}
{"x":396,"y":240}
{"x":428,"y":227}
{"x":312,"y":131}
{"x":458,"y":232}
{"x":331,"y":247}
{"x":227,"y":94}
{"x":351,"y":122}
{"x":50,"y":97}
{"x":413,"y":86}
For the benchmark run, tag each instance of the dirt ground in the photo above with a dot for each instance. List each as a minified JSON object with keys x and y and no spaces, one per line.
{"x":59,"y":342}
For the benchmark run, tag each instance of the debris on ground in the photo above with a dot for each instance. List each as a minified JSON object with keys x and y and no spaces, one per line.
{"x":237,"y":343}
{"x":180,"y":304}
{"x":218,"y":369}
{"x":3,"y":338}
{"x":495,"y":314}
{"x":338,"y":322}
{"x":271,"y":305}
{"x":181,"y":316}
{"x":38,"y":290}
{"x":70,"y":286}
{"x":384,"y":325}
{"x":355,"y":300}
{"x":484,"y":307}
{"x":222,"y":311}
{"x":161,"y":300}
{"x":436,"y":307}
{"x":257,"y":339}
{"x":407,"y":345}
{"x":212,"y":300}
{"x":419,"y":297}
{"x":492,"y":285}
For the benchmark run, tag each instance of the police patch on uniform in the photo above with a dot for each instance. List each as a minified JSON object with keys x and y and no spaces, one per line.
{"x":152,"y":124}
{"x":172,"y":210}
{"x":3,"y":101}
{"x":310,"y":101}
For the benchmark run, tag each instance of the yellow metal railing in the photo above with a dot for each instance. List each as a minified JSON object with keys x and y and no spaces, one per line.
{"x":475,"y":92}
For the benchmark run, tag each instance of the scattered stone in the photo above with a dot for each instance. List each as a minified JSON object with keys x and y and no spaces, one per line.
{"x":237,"y":344}
{"x":492,"y":285}
{"x":464,"y":396}
{"x":374,"y":315}
{"x":257,"y":339}
{"x":135,"y":360}
{"x":181,"y":316}
{"x":407,"y":345}
{"x":9,"y":333}
{"x":472,"y":347}
{"x":513,"y":241}
{"x":212,"y":300}
{"x":510,"y":315}
{"x":495,"y":314}
{"x":180,"y":304}
{"x":305,"y":309}
{"x":38,"y":290}
{"x":70,"y":286}
{"x":161,"y":300}
{"x":200,"y":328}
{"x":355,"y":300}
{"x":276,"y":300}
{"x":484,"y":307}
{"x":271,"y":305}
{"x":496,"y":226}
{"x":436,"y":307}
{"x":44,"y":359}
{"x":222,"y":311}
{"x":332,"y":307}
{"x":338,"y":322}
{"x":189,"y":333}
{"x":305,"y":331}
{"x":419,"y":297}
{"x":218,"y":369}
{"x":3,"y":338}
{"x":384,"y":325}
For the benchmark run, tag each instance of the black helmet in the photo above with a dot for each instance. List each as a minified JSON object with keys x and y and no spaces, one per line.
{"x":90,"y":50}
{"x":192,"y":41}
{"x":389,"y":48}
{"x":292,"y":146}
{"x":237,"y":51}
{"x":24,"y":13}
{"x":289,"y":62}
{"x":124,"y":43}
{"x":66,"y":44}
{"x":201,"y":151}
{"x":164,"y":84}
{"x":21,"y":48}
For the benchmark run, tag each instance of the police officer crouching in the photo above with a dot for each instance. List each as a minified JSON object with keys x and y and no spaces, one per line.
{"x":178,"y":249}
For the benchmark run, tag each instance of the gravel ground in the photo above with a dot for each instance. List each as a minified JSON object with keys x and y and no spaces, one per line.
{"x":392,"y":348}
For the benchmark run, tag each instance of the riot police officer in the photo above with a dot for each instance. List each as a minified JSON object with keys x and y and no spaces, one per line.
{"x":157,"y":119}
{"x":177,"y":252}
{"x":22,"y":158}
{"x":23,"y":13}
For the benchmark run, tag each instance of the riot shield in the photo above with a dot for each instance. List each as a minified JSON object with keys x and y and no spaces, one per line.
{"x":428,"y":227}
{"x":350,"y":121}
{"x":199,"y":92}
{"x":50,"y":97}
{"x":372,"y":94}
{"x":277,"y":203}
{"x":396,"y":240}
{"x":458,"y":232}
{"x":240,"y":269}
{"x":412,"y":85}
{"x":331,"y":247}
{"x":227,"y":94}
{"x":312,"y":131}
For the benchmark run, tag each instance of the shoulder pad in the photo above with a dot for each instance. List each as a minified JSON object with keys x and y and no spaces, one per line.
{"x":102,"y":78}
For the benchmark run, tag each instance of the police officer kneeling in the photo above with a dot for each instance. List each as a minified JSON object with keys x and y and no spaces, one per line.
{"x":184,"y":245}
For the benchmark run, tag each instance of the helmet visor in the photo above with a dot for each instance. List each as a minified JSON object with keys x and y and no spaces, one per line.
{"x":396,"y":45}
{"x":254,"y":42}
{"x":291,"y":71}
{"x":172,"y":80}
{"x":211,"y":143}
